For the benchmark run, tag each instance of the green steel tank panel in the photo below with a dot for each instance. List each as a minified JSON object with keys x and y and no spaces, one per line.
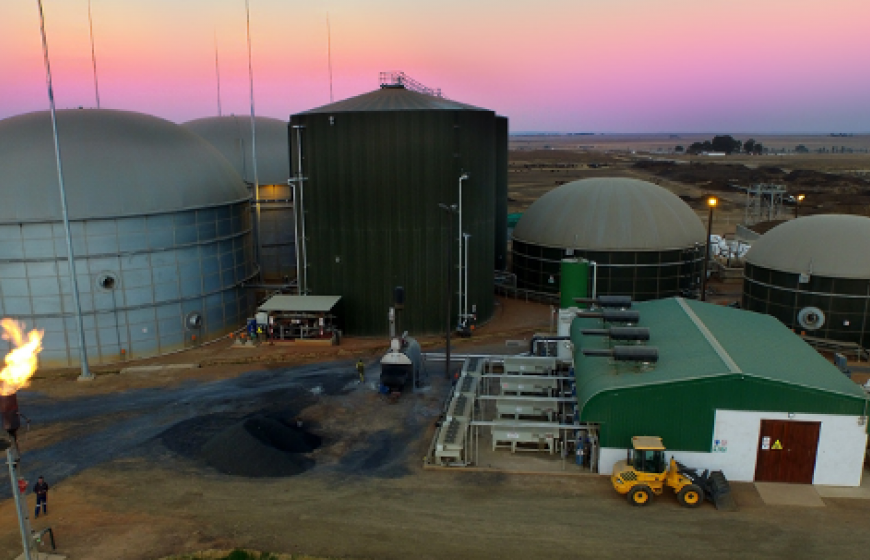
{"x":374,"y":180}
{"x":573,"y":282}
{"x":501,"y":185}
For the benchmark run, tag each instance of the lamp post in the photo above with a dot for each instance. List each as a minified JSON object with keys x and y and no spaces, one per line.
{"x":797,"y":202}
{"x":712,"y":201}
{"x":452,"y":209}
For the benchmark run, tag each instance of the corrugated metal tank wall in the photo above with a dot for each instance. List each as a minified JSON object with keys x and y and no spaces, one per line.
{"x":374,"y":182}
{"x":501,"y":183}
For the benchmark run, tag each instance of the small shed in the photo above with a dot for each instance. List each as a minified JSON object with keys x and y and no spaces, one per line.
{"x":301,"y":318}
{"x":732,"y":390}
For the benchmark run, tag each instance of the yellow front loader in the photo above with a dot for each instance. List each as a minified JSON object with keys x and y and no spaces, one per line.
{"x":645,"y":473}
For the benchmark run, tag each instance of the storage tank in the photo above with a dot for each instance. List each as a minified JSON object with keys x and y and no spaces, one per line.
{"x":647,"y":243}
{"x":161,"y":231}
{"x":231,"y":135}
{"x":813,"y":274}
{"x":375,"y":168}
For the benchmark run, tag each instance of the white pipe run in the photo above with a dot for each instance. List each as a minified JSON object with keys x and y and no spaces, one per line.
{"x":462,"y":177}
{"x":465,"y":289}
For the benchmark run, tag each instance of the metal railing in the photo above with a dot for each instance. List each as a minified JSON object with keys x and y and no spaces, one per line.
{"x":401,"y":79}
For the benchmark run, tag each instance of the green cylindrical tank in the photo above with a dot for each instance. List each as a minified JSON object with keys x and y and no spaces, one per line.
{"x":377,"y":168}
{"x":574,"y":282}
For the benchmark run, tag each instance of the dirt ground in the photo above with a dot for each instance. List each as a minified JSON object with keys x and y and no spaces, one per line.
{"x":121,"y":455}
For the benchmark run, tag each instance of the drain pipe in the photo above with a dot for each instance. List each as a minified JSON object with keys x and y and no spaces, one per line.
{"x":296,"y":234}
{"x":301,"y":183}
{"x":594,"y":278}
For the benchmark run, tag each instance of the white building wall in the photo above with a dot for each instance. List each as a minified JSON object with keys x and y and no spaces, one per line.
{"x":839,"y":459}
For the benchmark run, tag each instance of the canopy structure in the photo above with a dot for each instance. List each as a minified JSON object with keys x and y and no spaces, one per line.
{"x":299,"y":304}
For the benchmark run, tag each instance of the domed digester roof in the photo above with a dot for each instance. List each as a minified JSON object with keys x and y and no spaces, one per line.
{"x":116,"y":163}
{"x":832,"y":245}
{"x":610,"y":214}
{"x":231,"y":135}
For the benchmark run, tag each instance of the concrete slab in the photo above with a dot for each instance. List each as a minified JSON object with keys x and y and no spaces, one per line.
{"x":778,"y":494}
{"x":858,"y":492}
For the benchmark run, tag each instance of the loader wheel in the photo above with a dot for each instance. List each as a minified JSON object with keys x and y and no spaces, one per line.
{"x":691,"y":496}
{"x":640,"y":495}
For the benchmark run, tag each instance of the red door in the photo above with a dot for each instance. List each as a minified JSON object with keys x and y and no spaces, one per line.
{"x":787,"y":451}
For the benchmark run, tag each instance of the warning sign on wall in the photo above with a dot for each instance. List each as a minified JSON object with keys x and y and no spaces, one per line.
{"x":776,"y":445}
{"x":765,"y":443}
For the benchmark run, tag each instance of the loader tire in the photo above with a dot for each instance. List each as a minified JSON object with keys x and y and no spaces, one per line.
{"x":691,"y":496}
{"x":640,"y":495}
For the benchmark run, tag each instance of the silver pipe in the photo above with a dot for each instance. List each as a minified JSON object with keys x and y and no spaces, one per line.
{"x":594,"y":279}
{"x":296,"y":236}
{"x":93,"y":55}
{"x":22,"y":514}
{"x":459,"y":242}
{"x":74,"y":284}
{"x":465,"y":288}
{"x":253,"y":133}
{"x":301,"y":182}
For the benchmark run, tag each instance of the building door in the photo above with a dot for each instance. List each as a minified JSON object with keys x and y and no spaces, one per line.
{"x":787,"y":451}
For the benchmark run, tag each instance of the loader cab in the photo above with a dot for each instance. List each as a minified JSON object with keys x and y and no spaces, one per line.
{"x":647,"y":454}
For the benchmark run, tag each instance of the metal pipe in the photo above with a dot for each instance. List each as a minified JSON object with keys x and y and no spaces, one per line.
{"x":74,"y":284}
{"x":296,"y":236}
{"x":253,"y":135}
{"x":707,"y":255}
{"x":13,"y":479}
{"x":594,"y":279}
{"x":462,"y":177}
{"x":465,"y":289}
{"x":94,"y":56}
{"x":301,"y":183}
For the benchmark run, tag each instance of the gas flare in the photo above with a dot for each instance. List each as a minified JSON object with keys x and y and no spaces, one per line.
{"x":21,"y":361}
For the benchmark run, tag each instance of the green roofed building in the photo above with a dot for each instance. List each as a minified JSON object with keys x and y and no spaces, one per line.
{"x":732,"y":390}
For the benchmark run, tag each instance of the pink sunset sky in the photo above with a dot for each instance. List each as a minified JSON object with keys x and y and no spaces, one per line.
{"x":549,"y":65}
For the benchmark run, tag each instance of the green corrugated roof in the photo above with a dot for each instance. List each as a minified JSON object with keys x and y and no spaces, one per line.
{"x":736,"y":342}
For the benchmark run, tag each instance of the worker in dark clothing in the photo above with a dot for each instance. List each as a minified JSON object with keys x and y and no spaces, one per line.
{"x":41,"y":491}
{"x":361,"y":369}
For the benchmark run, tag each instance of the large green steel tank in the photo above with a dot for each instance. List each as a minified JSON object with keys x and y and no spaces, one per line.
{"x":376,"y":167}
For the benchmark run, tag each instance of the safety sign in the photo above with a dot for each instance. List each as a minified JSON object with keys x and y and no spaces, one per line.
{"x":765,"y":443}
{"x":776,"y":445}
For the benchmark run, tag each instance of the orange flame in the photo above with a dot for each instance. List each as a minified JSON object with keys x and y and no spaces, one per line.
{"x":21,"y":361}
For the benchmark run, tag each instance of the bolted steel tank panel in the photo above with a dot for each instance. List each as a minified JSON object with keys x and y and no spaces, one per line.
{"x":374,"y":180}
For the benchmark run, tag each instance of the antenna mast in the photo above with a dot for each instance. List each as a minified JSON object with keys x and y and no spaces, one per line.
{"x":253,"y":137}
{"x":329,"y":54}
{"x":217,"y":71}
{"x":93,"y":55}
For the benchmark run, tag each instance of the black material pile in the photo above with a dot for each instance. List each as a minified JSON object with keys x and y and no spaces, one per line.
{"x":261,"y":446}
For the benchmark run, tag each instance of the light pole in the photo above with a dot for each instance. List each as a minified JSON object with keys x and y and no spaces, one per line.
{"x":452,"y":209}
{"x":712,"y":201}
{"x":797,"y":202}
{"x":462,"y":177}
{"x":73,"y":278}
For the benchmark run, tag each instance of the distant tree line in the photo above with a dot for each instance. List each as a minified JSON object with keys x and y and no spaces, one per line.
{"x":726,"y":144}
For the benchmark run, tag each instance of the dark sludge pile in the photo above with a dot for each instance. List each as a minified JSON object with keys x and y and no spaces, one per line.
{"x":261,"y":446}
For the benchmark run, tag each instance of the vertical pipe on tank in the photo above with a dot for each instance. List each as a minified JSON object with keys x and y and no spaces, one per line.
{"x":465,"y":289}
{"x":300,"y":180}
{"x":574,"y":282}
{"x":462,"y":177}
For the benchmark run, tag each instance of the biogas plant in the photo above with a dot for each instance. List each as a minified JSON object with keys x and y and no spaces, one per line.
{"x":385,"y":216}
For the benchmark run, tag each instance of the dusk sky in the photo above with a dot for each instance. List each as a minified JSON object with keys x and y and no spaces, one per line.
{"x":554,"y":65}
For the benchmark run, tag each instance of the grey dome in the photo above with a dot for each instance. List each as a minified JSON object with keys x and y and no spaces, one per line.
{"x":610,"y":214}
{"x":832,"y":245}
{"x":115,"y":163}
{"x":232,"y":137}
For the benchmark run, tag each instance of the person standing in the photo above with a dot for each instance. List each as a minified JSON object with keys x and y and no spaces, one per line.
{"x":41,"y":491}
{"x":361,"y":369}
